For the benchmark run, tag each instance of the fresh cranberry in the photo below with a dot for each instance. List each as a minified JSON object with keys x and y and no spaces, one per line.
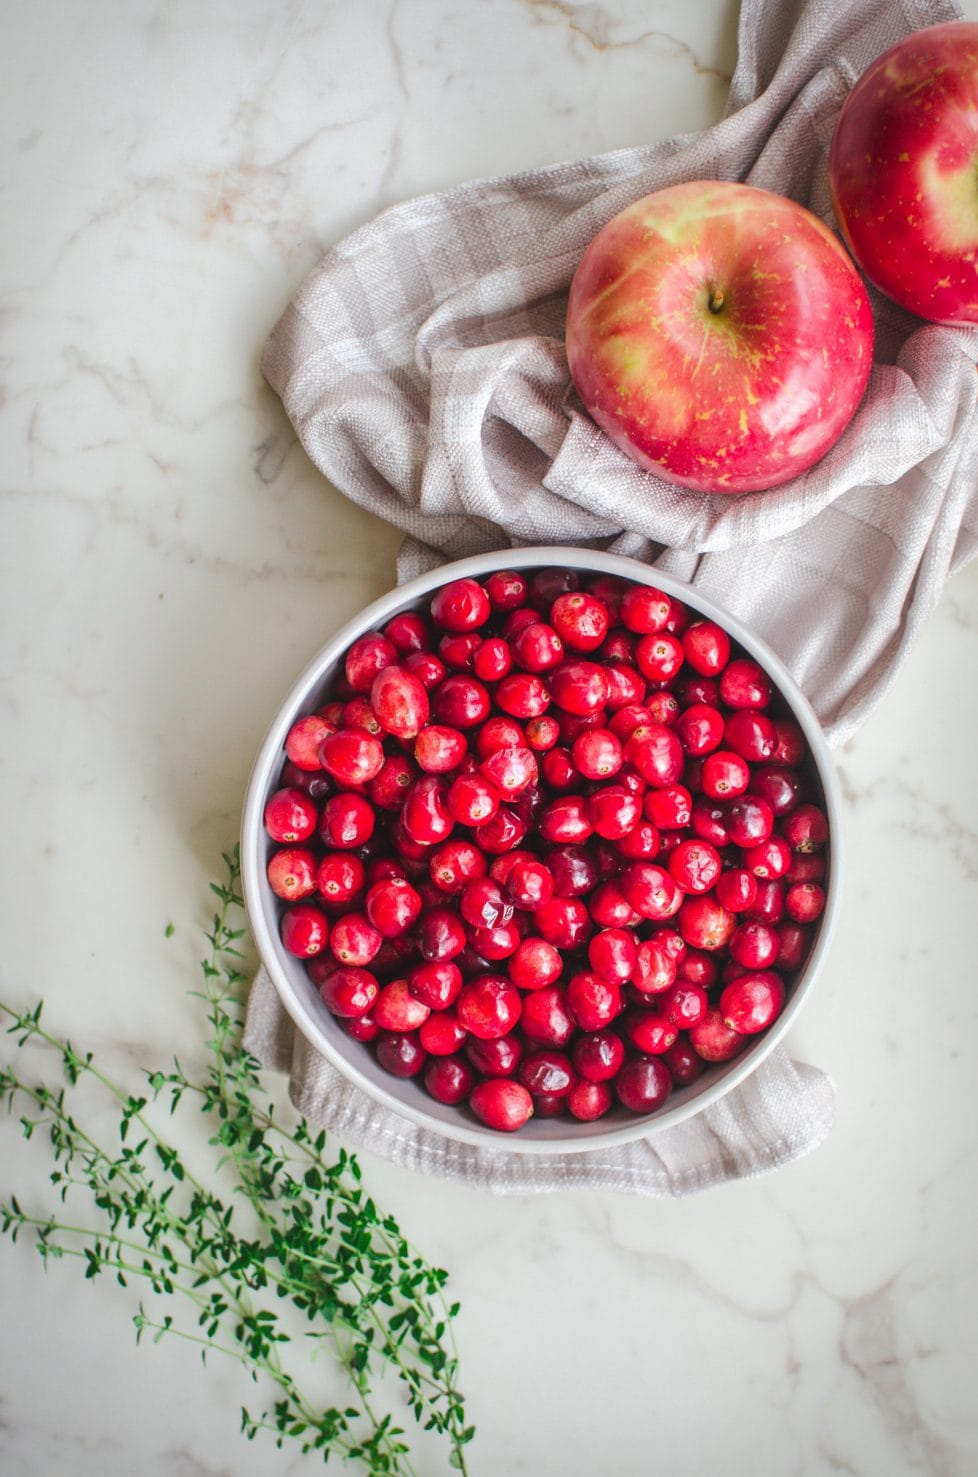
{"x":705,"y":923}
{"x":613,"y":953}
{"x":597,"y":754}
{"x":644,"y":609}
{"x":496,"y":942}
{"x":588,"y":1101}
{"x":441,"y":934}
{"x":542,"y":733}
{"x":749,"y":820}
{"x":400,"y":1053}
{"x":501,"y":1104}
{"x":573,"y":869}
{"x":546,"y":1018}
{"x":483,"y":903}
{"x":458,"y":651}
{"x":349,"y":992}
{"x":535,"y":964}
{"x":359,"y":714}
{"x":700,"y":729}
{"x":429,"y":669}
{"x":754,"y":945}
{"x":690,"y":689}
{"x":581,"y":620}
{"x":492,"y":660}
{"x":449,"y":1079}
{"x":777,"y":786}
{"x":461,"y":701}
{"x":441,"y":1034}
{"x":794,"y":939}
{"x":769,"y":859}
{"x":354,"y":940}
{"x":713,"y":1040}
{"x":368,"y":656}
{"x":641,"y":843}
{"x":291,"y":873}
{"x":388,"y":788}
{"x":396,"y":1009}
{"x":472,"y":800}
{"x":649,"y":889}
{"x":506,"y":589}
{"x":698,"y":967}
{"x":655,"y":968}
{"x":425,"y":814}
{"x":340,"y":876}
{"x":806,"y":828}
{"x":806,"y":866}
{"x":290,"y":815}
{"x":768,"y":904}
{"x":488,"y":1006}
{"x":648,"y":1031}
{"x":529,"y":882}
{"x":804,"y":902}
{"x":643,"y":1084}
{"x":624,"y":721}
{"x":656,"y":753}
{"x":502,"y":831}
{"x":516,"y":619}
{"x":497,"y":1057}
{"x":724,"y":775}
{"x":707,"y":647}
{"x":462,"y":605}
{"x":304,"y":930}
{"x":598,"y":1055}
{"x":683,"y":1062}
{"x":565,"y":820}
{"x":352,"y":756}
{"x":436,"y":983}
{"x":593,"y":1001}
{"x":668,"y":808}
{"x":455,"y":863}
{"x":510,"y":770}
{"x":752,"y":1001}
{"x":683,"y":1005}
{"x":547,"y":1072}
{"x":347,"y":821}
{"x":537,"y":647}
{"x":393,"y":906}
{"x":751,"y":734}
{"x":579,"y":687}
{"x":408,"y":631}
{"x":736,"y":889}
{"x":659,"y":657}
{"x":791,"y":742}
{"x":439,"y":748}
{"x":743,"y":684}
{"x":627,"y":688}
{"x":695,"y":865}
{"x":303,"y":740}
{"x":608,"y":908}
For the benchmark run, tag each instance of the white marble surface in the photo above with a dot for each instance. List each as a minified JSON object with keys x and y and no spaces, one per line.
{"x":170,"y":559}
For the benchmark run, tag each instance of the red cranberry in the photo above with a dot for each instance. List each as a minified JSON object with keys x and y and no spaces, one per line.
{"x":624,"y":721}
{"x":290,"y":815}
{"x":769,"y":859}
{"x":592,"y":1000}
{"x":695,"y":865}
{"x":537,"y":647}
{"x":354,"y":940}
{"x":649,"y":1032}
{"x":449,"y":1079}
{"x":291,"y":873}
{"x":806,"y":828}
{"x":704,"y":923}
{"x":579,"y":687}
{"x":367,"y":656}
{"x":649,"y":889}
{"x":754,"y":945}
{"x":502,"y":831}
{"x":472,"y":800}
{"x":659,"y":657}
{"x":777,"y":786}
{"x":352,"y":756}
{"x":347,"y":821}
{"x":303,"y":740}
{"x":724,"y":775}
{"x":429,"y":669}
{"x":656,"y":753}
{"x":598,"y":1055}
{"x":708,"y":820}
{"x":506,"y":589}
{"x":627,"y":688}
{"x":581,"y":620}
{"x":542,"y":733}
{"x":492,"y":660}
{"x":794,"y":939}
{"x":425,"y":814}
{"x":393,"y":906}
{"x":683,"y":1062}
{"x":455,"y":863}
{"x":669,"y":808}
{"x":501,"y":1104}
{"x":439,"y":749}
{"x":791,"y":742}
{"x":806,"y":866}
{"x":458,"y":652}
{"x":546,"y":1017}
{"x":707,"y":647}
{"x":510,"y":770}
{"x":644,"y":609}
{"x":400,"y":1053}
{"x":441,"y":934}
{"x":752,"y":1001}
{"x":700,"y":729}
{"x":529,"y":883}
{"x":498,"y":1057}
{"x":547,"y":1072}
{"x":768,"y":904}
{"x":349,"y":992}
{"x":751,"y":734}
{"x":736,"y":889}
{"x":484,"y":904}
{"x":714,"y":1041}
{"x":697,"y":967}
{"x":588,"y":1101}
{"x":597,"y":754}
{"x":396,"y":1009}
{"x":359,"y":714}
{"x":436,"y":984}
{"x":608,"y":908}
{"x":522,"y":695}
{"x":655,"y":967}
{"x":641,"y":844}
{"x":461,"y":605}
{"x":684,"y":1005}
{"x":488,"y":1006}
{"x":388,"y":788}
{"x":643,"y":1084}
{"x":535,"y":964}
{"x":804,"y":902}
{"x":496,"y":942}
{"x":613,"y":953}
{"x":441,"y":1034}
{"x":743,"y":684}
{"x":408,"y":631}
{"x":749,"y":820}
{"x":461,"y":701}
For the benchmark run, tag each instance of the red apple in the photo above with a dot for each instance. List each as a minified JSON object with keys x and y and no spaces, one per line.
{"x":903,"y":168}
{"x":720,"y":335}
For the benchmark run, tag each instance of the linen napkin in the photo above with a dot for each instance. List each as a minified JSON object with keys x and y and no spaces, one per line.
{"x":423,"y":367}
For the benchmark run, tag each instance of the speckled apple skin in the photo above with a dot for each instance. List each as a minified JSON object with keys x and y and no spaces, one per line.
{"x":727,"y":397}
{"x":903,"y":170}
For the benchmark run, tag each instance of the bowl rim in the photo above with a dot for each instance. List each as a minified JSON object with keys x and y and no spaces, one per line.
{"x":254,"y":883}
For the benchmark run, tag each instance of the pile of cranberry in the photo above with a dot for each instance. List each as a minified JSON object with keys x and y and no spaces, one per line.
{"x":551,"y":845}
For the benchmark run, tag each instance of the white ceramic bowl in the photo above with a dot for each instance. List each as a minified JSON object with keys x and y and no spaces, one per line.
{"x":300,"y":997}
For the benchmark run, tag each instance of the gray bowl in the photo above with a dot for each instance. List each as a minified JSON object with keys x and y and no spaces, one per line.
{"x":301,"y":998}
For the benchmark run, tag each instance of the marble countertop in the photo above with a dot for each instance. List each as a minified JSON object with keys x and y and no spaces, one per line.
{"x":171,"y":559}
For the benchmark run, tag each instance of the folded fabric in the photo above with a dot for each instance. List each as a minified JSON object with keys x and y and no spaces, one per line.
{"x":423,"y":367}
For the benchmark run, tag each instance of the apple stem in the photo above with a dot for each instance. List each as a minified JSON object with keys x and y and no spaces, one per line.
{"x":716,"y":299}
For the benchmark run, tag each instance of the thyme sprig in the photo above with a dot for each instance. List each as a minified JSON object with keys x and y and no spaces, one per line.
{"x":297,"y":1257}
